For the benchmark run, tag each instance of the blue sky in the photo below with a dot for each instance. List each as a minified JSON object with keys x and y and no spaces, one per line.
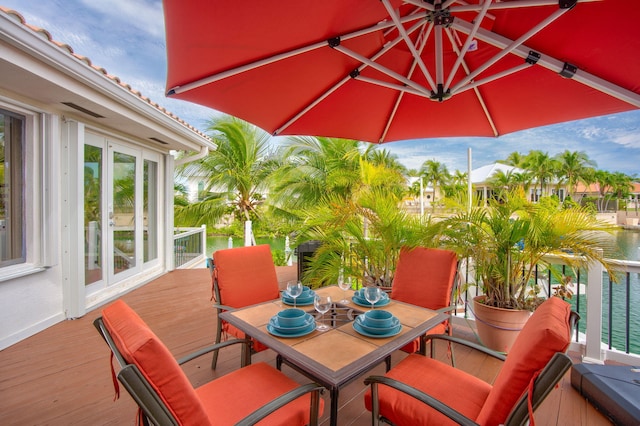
{"x":126,"y":37}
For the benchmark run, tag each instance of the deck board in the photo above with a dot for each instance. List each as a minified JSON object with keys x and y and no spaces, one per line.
{"x":61,"y":376}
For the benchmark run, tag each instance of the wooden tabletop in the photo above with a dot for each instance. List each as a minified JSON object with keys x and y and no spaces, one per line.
{"x":339,"y":355}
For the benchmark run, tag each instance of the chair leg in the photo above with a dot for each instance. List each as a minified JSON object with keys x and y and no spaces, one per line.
{"x":387,"y":362}
{"x":214,"y":361}
{"x":279,"y":362}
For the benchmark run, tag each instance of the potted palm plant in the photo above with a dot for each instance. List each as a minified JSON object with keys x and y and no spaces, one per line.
{"x":506,"y":241}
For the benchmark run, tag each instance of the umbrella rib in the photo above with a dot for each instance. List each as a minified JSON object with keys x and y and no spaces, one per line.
{"x":423,"y":40}
{"x":284,"y":55}
{"x":386,"y":48}
{"x":555,"y":65}
{"x":382,"y":69}
{"x":483,"y":105}
{"x":513,"y":4}
{"x":467,"y":42}
{"x":512,"y":46}
{"x":405,"y":37}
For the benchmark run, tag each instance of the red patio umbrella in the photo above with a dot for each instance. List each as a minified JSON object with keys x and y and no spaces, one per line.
{"x":386,"y":70}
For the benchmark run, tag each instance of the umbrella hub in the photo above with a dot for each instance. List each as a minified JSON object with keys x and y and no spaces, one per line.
{"x":441,"y":94}
{"x":440,"y":16}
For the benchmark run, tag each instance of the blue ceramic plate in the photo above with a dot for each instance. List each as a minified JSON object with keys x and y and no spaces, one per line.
{"x":359,"y":329}
{"x":395,"y":322}
{"x":360,"y":301}
{"x":310,"y":328}
{"x":300,"y":301}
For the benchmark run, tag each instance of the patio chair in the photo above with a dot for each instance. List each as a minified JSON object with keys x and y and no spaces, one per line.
{"x":420,"y":390}
{"x":426,"y":277}
{"x":241,"y":277}
{"x":165,"y":396}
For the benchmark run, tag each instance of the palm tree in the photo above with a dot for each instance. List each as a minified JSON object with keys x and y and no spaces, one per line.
{"x":574,"y":167}
{"x":315,"y":167}
{"x":504,"y":183}
{"x":235,"y":174}
{"x":604,"y":179}
{"x":621,"y":184}
{"x":436,"y":173}
{"x":541,"y":167}
{"x":515,"y":159}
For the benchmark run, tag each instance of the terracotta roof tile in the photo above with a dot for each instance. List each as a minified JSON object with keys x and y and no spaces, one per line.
{"x":115,"y":79}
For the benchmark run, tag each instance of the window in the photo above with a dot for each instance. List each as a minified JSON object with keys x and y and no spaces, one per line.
{"x":12,"y":226}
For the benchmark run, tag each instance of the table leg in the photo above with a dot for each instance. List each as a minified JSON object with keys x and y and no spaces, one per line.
{"x":334,"y":394}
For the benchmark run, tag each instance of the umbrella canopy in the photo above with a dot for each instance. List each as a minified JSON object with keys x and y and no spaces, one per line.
{"x":386,"y":70}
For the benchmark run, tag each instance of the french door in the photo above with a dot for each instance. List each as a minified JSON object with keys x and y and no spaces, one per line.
{"x":121,"y":186}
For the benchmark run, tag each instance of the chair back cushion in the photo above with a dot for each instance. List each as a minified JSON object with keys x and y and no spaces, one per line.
{"x":546,"y":332}
{"x":245,"y":275}
{"x":138,"y":345}
{"x":424,"y":277}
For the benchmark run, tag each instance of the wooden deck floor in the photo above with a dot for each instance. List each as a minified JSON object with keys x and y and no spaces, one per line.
{"x":61,"y":376}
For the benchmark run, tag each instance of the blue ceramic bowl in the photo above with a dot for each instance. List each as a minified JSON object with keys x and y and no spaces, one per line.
{"x":377,"y":318}
{"x":291,"y":318}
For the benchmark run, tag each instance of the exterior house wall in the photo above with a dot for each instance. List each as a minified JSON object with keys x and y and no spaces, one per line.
{"x":37,"y":77}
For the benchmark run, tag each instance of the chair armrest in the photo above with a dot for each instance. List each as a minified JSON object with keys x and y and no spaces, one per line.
{"x":466,"y":343}
{"x":445,"y":309}
{"x":420,"y":396}
{"x":283,"y":400}
{"x":211,"y":348}
{"x":221,"y":308}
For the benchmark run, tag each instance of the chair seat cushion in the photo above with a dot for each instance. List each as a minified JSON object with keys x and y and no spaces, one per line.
{"x":232,"y":397}
{"x":233,"y":331}
{"x":462,"y":392}
{"x":140,"y":346}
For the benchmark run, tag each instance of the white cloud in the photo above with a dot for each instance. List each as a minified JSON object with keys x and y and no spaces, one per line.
{"x":145,"y":15}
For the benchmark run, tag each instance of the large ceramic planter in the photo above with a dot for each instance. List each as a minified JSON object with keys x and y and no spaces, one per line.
{"x":498,"y":327}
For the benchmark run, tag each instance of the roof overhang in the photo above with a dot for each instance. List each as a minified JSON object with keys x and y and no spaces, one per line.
{"x":37,"y":70}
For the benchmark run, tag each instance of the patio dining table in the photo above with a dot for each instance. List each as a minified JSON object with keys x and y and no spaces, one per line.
{"x":338,"y":356}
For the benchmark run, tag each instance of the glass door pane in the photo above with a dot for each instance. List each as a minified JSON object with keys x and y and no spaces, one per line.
{"x":93,"y":174}
{"x":123,"y":218}
{"x":150,"y":224}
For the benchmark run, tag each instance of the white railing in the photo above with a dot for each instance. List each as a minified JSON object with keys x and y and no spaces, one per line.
{"x":189,"y":246}
{"x":610,"y":318}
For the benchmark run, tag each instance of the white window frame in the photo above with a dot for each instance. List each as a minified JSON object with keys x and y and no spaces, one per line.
{"x":41,"y":171}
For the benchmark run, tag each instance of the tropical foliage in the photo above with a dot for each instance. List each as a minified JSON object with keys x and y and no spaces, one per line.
{"x":235,"y":175}
{"x":510,"y":237}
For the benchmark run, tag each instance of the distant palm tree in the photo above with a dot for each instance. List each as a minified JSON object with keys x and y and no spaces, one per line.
{"x":503,"y":183}
{"x":542,"y":168}
{"x":515,"y":159}
{"x":575,"y":167}
{"x":235,"y":174}
{"x":436,"y":173}
{"x":621,"y":185}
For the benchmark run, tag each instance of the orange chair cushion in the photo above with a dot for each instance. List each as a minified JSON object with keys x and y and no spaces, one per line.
{"x":424,"y":277}
{"x":246,"y":275}
{"x":229,"y":329}
{"x":141,"y":347}
{"x":457,"y":389}
{"x":231,"y":397}
{"x":544,"y":334}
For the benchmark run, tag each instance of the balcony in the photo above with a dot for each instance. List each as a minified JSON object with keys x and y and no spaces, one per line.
{"x":62,"y":375}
